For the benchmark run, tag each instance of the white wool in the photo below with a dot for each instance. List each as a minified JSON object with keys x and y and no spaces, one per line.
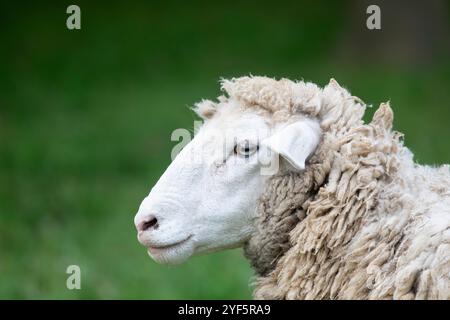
{"x":377,"y":226}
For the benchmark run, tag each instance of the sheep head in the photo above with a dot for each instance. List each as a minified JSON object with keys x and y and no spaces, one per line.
{"x":210,"y":196}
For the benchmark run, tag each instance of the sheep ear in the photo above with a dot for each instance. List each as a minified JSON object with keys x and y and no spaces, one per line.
{"x":205,"y":109}
{"x":295,"y":142}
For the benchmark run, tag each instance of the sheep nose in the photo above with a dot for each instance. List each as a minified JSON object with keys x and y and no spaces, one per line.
{"x":149,"y":223}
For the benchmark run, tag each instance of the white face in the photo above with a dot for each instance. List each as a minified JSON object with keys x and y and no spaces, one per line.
{"x":206,"y":200}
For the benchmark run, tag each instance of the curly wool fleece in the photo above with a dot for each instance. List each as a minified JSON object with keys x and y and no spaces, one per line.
{"x":362,"y":221}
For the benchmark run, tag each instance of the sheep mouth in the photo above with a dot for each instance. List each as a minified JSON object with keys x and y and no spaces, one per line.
{"x":160,"y":249}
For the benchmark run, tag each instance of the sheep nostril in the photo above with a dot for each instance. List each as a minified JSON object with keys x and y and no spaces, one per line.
{"x":151,"y":223}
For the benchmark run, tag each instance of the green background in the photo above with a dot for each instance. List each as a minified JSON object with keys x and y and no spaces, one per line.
{"x":86,"y":118}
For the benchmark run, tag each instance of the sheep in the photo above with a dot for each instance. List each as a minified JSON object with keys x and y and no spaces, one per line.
{"x":347,"y":214}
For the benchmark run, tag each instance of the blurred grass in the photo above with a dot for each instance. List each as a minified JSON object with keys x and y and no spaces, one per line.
{"x":86,"y":118}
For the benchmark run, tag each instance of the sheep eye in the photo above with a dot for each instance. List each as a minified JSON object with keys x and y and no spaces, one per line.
{"x":245,"y":149}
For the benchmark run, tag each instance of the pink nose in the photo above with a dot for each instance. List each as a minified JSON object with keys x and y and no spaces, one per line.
{"x":149,"y":223}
